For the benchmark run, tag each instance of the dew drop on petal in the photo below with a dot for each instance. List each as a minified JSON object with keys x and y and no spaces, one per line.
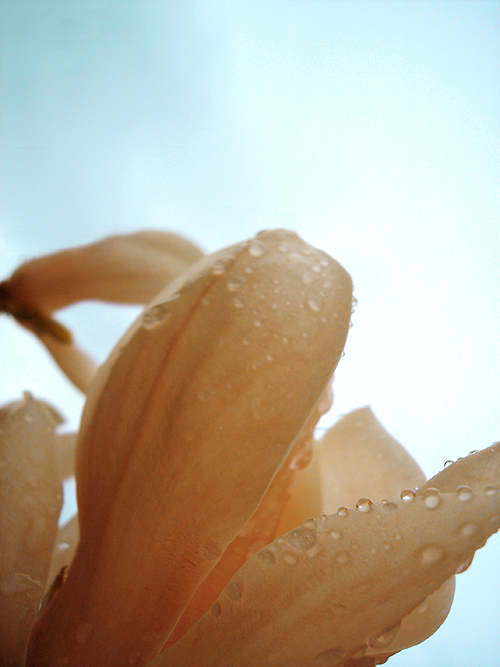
{"x":256,"y":249}
{"x":432,"y":498}
{"x":238,"y":303}
{"x":490,"y":490}
{"x":407,"y":495}
{"x":216,"y":609}
{"x":313,"y":305}
{"x":464,"y":566}
{"x":386,"y":638}
{"x":234,"y":590}
{"x":468,"y":529}
{"x":307,"y":278}
{"x":156,"y":315}
{"x":266,"y":557}
{"x":448,"y":463}
{"x":364,"y":505}
{"x":342,"y":557}
{"x":431,"y":555}
{"x":389,"y":505}
{"x":290,"y":559}
{"x":302,"y":538}
{"x":465,"y":493}
{"x":342,"y":511}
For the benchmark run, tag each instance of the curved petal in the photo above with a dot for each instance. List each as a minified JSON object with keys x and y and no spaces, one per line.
{"x":325,"y":591}
{"x":30,"y":503}
{"x":359,"y":458}
{"x":183,"y":431}
{"x":127,"y":268}
{"x":258,"y":531}
{"x":74,"y":362}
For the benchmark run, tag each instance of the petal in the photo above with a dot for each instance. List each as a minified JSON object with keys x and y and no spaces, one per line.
{"x":258,"y":531}
{"x":183,"y":431}
{"x":128,"y":268}
{"x":359,"y":458}
{"x":326,"y":590}
{"x":30,"y":503}
{"x":75,"y":363}
{"x":479,"y":469}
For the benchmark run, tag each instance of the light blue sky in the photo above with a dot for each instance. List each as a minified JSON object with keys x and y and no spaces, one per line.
{"x":371,"y":128}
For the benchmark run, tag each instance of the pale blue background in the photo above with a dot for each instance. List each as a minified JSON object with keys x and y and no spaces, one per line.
{"x":371,"y":128}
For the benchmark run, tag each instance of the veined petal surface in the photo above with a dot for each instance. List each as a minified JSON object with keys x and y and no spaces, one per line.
{"x":184,"y":430}
{"x":325,"y":591}
{"x":126,"y":268}
{"x":30,"y":503}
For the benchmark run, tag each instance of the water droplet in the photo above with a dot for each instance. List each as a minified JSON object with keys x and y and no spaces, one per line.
{"x":490,"y":490}
{"x":324,"y":262}
{"x":386,"y":638}
{"x":407,"y":495}
{"x":234,"y":284}
{"x":245,"y":341}
{"x":234,"y":590}
{"x":431,"y":555}
{"x":342,"y":557}
{"x":220,"y":267}
{"x":83,"y":632}
{"x":206,"y":395}
{"x":257,"y":323}
{"x":266,"y":557}
{"x":388,"y":505}
{"x":448,"y":463}
{"x":156,"y":315}
{"x":431,"y":498}
{"x":307,"y":278}
{"x":210,"y":550}
{"x":302,"y":538}
{"x":335,"y":535}
{"x":313,"y":305}
{"x":364,"y":505}
{"x":283,"y":247}
{"x":62,"y":546}
{"x":133,"y":658}
{"x":465,"y":493}
{"x":342,"y":511}
{"x":468,"y":529}
{"x":238,"y":303}
{"x":290,"y":559}
{"x":256,"y":249}
{"x":465,"y":566}
{"x":473,"y":451}
{"x":310,"y":523}
{"x":216,"y":609}
{"x":324,"y":517}
{"x":316,"y":268}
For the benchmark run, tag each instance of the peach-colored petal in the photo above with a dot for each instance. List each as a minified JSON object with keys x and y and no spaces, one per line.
{"x":328,"y":589}
{"x":184,"y":429}
{"x":30,"y":503}
{"x":75,"y":363}
{"x":66,"y":445}
{"x":359,"y":458}
{"x":127,"y":268}
{"x":258,"y":531}
{"x":479,"y":469}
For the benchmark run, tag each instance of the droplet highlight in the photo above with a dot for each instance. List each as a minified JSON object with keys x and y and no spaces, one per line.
{"x":432,"y":498}
{"x":465,"y":494}
{"x":364,"y":505}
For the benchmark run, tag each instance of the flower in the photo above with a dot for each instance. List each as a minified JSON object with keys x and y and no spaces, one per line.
{"x":198,"y":474}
